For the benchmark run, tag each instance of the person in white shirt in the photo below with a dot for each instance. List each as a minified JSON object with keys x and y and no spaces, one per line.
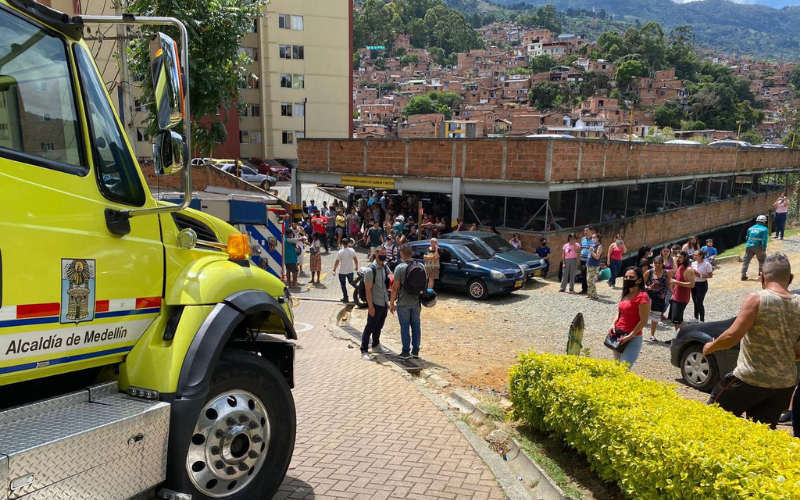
{"x":301,"y":254}
{"x":703,"y":271}
{"x":351,"y":197}
{"x":346,"y":263}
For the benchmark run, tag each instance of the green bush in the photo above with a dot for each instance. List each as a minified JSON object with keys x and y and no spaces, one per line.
{"x":650,"y":441}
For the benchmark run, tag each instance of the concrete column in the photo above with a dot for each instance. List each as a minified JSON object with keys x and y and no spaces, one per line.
{"x":455,"y":211}
{"x":296,"y":193}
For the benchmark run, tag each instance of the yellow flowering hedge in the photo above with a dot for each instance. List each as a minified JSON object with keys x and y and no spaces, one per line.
{"x":650,"y":441}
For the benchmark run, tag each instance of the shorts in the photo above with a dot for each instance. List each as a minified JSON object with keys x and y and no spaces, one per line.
{"x":291,"y":268}
{"x":676,"y":310}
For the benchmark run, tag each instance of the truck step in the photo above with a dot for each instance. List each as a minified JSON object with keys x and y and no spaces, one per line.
{"x":96,"y":443}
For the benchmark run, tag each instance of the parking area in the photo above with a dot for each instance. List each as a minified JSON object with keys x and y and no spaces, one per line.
{"x":475,"y":342}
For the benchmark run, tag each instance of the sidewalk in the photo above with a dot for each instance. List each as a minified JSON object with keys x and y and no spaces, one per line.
{"x":365,"y":432}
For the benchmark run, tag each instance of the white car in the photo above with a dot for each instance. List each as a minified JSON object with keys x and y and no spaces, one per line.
{"x":250,"y":175}
{"x":730,"y":143}
{"x":683,"y":142}
{"x":198,"y":162}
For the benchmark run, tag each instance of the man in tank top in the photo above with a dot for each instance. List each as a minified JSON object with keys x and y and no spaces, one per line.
{"x":765,"y":374}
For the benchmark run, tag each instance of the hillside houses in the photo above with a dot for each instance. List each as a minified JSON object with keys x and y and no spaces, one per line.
{"x":495,"y":83}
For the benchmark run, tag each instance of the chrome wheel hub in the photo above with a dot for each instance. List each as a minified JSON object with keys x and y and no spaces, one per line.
{"x":696,"y":368}
{"x":229,"y":444}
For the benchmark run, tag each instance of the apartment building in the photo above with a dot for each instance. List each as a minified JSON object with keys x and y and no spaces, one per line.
{"x":301,"y":52}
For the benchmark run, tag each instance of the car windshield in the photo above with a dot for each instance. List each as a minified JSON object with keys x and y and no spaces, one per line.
{"x":498,"y":244}
{"x":472,"y":251}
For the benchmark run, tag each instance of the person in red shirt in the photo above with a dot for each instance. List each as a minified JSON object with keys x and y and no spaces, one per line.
{"x":632,"y":315}
{"x":683,"y":282}
{"x":318,"y":224}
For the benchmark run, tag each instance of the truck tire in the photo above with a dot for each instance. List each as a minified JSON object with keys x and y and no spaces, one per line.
{"x":244,"y":437}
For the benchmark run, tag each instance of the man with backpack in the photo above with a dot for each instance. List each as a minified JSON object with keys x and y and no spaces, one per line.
{"x":376,"y":288}
{"x":410,"y":281}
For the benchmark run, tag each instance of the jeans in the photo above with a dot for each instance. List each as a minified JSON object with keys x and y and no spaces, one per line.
{"x":332,"y":235}
{"x":780,"y":224}
{"x":698,"y":296}
{"x":749,"y":252}
{"x":591,"y":282}
{"x":615,"y":266}
{"x":631,"y":353}
{"x":409,"y":319}
{"x":344,"y":278}
{"x":570,"y":268}
{"x":373,"y":327}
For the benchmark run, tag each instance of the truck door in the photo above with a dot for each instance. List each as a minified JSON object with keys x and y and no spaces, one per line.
{"x":72,"y":295}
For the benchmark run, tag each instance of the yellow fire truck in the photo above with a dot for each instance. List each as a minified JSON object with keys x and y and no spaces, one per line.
{"x":141,"y":355}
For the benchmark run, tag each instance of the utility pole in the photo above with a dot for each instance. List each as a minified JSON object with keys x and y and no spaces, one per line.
{"x":739,"y":131}
{"x":305,"y":105}
{"x":126,"y":100}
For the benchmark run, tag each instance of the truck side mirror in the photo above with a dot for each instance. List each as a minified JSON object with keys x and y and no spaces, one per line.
{"x":169,"y":152}
{"x":167,"y":81}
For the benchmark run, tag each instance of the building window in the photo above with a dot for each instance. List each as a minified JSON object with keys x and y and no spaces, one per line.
{"x":286,"y":109}
{"x":286,"y":81}
{"x":47,"y":146}
{"x":255,"y":137}
{"x":287,"y":22}
{"x":299,"y":134}
{"x":255,"y":110}
{"x":298,"y":81}
{"x":4,"y":132}
{"x":142,"y":135}
{"x":297,"y":23}
{"x":254,"y":27}
{"x":251,"y":82}
{"x":44,"y":117}
{"x":40,"y":87}
{"x":250,"y":52}
{"x":244,"y":137}
{"x":291,"y":51}
{"x":299,"y":110}
{"x":287,"y":137}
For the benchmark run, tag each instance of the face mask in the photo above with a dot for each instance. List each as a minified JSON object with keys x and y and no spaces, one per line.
{"x":594,"y":241}
{"x":619,"y":242}
{"x":629,"y":283}
{"x":382,"y":258}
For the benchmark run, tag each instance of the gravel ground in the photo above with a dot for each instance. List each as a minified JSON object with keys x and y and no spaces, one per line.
{"x":476,"y":342}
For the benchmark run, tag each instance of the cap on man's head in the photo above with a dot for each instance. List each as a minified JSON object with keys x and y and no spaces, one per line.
{"x":761,"y":218}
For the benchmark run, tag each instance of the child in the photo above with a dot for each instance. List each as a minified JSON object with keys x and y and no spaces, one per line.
{"x":301,"y":254}
{"x":605,"y":272}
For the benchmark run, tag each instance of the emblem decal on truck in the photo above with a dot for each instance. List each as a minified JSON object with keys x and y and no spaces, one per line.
{"x":77,"y":290}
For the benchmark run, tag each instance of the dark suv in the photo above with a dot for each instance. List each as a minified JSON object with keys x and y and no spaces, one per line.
{"x":530,"y":263}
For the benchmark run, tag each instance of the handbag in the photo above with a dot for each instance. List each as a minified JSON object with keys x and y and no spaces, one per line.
{"x":612,"y":341}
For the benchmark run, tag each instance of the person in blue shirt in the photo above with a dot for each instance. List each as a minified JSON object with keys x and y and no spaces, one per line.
{"x":312,"y":208}
{"x":543,"y":251}
{"x":711,"y":252}
{"x":757,"y":238}
{"x":586,"y":243}
{"x":290,"y":259}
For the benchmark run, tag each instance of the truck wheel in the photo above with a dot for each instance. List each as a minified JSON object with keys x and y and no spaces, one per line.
{"x":244,"y":437}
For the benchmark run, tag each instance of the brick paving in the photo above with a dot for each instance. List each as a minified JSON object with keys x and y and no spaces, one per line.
{"x":365,"y":432}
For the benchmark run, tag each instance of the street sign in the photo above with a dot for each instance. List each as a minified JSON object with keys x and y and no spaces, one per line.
{"x":368,"y":181}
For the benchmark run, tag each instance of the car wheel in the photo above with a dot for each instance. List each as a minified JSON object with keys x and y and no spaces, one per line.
{"x":264,"y":185}
{"x":244,"y":437}
{"x":477,"y":289}
{"x":699,"y":371}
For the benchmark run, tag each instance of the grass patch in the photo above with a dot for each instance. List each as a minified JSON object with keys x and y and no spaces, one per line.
{"x":739,"y":250}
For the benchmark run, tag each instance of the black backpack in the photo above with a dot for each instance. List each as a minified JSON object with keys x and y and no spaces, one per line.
{"x":416,"y":279}
{"x":362,"y":287}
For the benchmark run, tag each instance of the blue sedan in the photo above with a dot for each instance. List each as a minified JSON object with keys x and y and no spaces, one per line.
{"x":467,"y":266}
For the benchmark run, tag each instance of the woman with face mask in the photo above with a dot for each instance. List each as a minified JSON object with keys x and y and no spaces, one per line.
{"x":633,"y":312}
{"x":569,"y":262}
{"x":682,"y":284}
{"x":615,"y":253}
{"x":657,"y":282}
{"x":593,"y":266}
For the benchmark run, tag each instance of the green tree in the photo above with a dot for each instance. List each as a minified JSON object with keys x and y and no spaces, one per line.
{"x":630,"y":69}
{"x":217,"y":68}
{"x":669,"y":114}
{"x":380,"y":64}
{"x":593,"y":84}
{"x":419,"y":105}
{"x":408,"y":59}
{"x":540,"y":64}
{"x":543,"y":95}
{"x":752,"y":137}
{"x":794,"y":79}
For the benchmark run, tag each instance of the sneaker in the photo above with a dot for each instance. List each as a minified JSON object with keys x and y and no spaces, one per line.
{"x":379,"y":349}
{"x":366,"y":357}
{"x":744,"y":278}
{"x":404,"y":355}
{"x":653,"y":339}
{"x":786,"y":417}
{"x":345,"y":300}
{"x":415,"y":355}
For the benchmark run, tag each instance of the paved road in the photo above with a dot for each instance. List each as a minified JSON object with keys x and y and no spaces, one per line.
{"x":365,"y":432}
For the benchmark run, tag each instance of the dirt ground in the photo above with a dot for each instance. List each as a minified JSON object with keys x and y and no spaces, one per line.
{"x":475,"y":343}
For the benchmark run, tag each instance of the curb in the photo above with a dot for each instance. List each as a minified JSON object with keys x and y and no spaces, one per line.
{"x":736,"y":258}
{"x":543,"y":485}
{"x":506,"y":477}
